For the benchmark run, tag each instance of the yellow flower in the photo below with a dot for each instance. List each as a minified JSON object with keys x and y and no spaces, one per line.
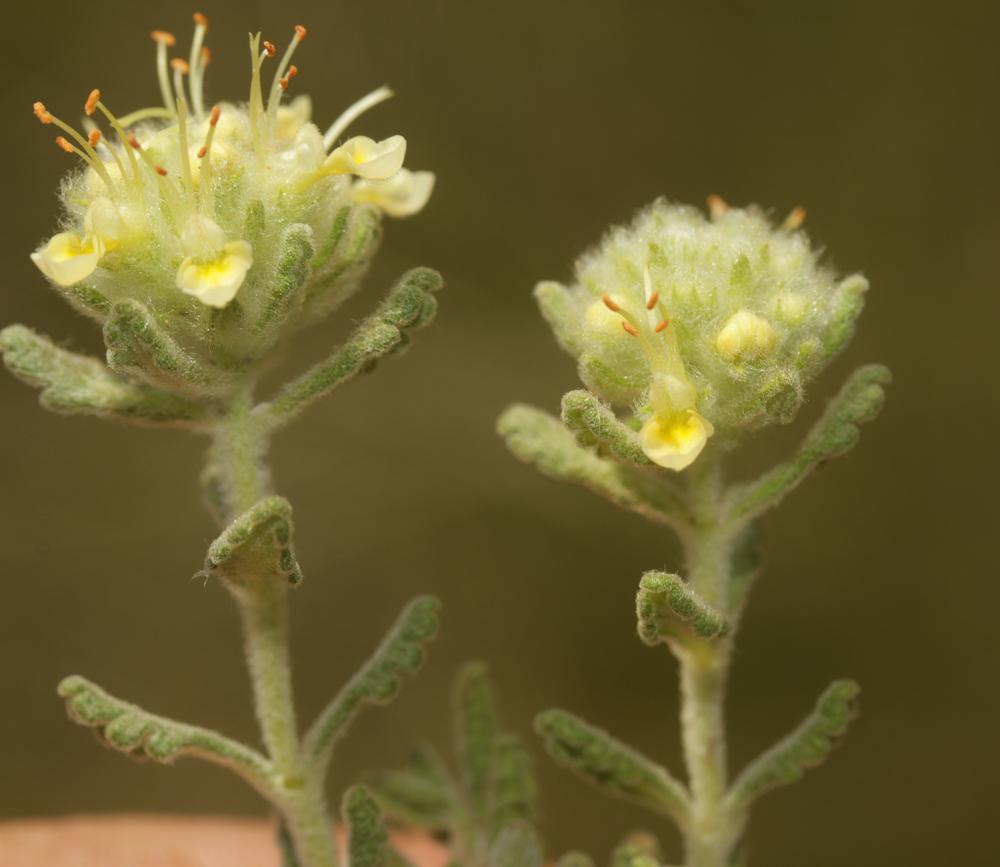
{"x":67,"y":259}
{"x":214,"y":269}
{"x":367,"y":158}
{"x":676,"y":432}
{"x":402,"y":195}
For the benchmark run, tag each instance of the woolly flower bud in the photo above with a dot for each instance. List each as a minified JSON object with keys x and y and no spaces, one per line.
{"x":230,"y":226}
{"x":699,"y":323}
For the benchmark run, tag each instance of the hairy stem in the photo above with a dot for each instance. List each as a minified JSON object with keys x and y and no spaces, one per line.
{"x":713,"y":831}
{"x":263,"y":606}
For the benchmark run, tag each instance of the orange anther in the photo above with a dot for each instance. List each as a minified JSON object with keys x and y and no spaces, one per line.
{"x":795,"y":219}
{"x":41,"y":113}
{"x":661,"y":326}
{"x":94,"y":137}
{"x":300,"y":32}
{"x":163,"y":36}
{"x":65,"y":145}
{"x":609,"y":303}
{"x":630,"y":328}
{"x":270,"y":49}
{"x":90,"y":106}
{"x":181,"y":64}
{"x":132,"y":140}
{"x":206,"y":55}
{"x":202,"y":151}
{"x":161,"y":171}
{"x":283,"y":83}
{"x":651,"y":303}
{"x":293,"y":70}
{"x":200,"y":19}
{"x":717,"y":206}
{"x":213,"y":118}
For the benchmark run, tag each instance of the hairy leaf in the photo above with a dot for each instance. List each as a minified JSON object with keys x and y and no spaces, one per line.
{"x":400,"y":653}
{"x":836,"y":432}
{"x":129,"y":729}
{"x":594,"y":423}
{"x":421,"y":794}
{"x":668,"y":608}
{"x":367,"y":838}
{"x":290,"y":276}
{"x":596,"y":756}
{"x":537,"y":438}
{"x":257,"y":545}
{"x":410,"y":305}
{"x":72,"y":383}
{"x":804,"y":748}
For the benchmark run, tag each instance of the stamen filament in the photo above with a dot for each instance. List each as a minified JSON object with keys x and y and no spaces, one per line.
{"x":163,"y":41}
{"x":188,"y":181}
{"x":126,"y":143}
{"x":180,"y":68}
{"x":170,"y":194}
{"x":197,"y":63}
{"x":256,"y":106}
{"x":353,"y":112}
{"x":133,"y":117}
{"x":88,"y":154}
{"x":206,"y":194}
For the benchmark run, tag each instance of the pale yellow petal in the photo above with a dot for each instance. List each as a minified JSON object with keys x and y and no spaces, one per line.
{"x":675,"y":441}
{"x":66,"y":259}
{"x":402,"y":195}
{"x":215,"y":282}
{"x":368,"y":158}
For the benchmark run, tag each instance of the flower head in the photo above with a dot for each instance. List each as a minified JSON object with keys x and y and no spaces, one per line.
{"x":699,"y":324}
{"x":192,"y":208}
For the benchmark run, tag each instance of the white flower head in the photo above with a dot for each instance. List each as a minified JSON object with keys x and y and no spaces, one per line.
{"x":402,"y":195}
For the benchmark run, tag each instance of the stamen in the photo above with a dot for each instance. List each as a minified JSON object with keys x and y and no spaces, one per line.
{"x":651,"y":303}
{"x":610,"y":303}
{"x":630,"y":328}
{"x":795,"y":219}
{"x":270,"y":49}
{"x":352,"y":113}
{"x":117,"y":125}
{"x":279,"y":75}
{"x":717,"y":206}
{"x":663,"y":324}
{"x":160,"y":171}
{"x":41,"y":113}
{"x":87,"y":152}
{"x":163,"y":41}
{"x":133,"y":117}
{"x":66,"y":146}
{"x":180,"y":68}
{"x":256,"y":106}
{"x":94,"y":137}
{"x":90,"y":106}
{"x":198,"y":62}
{"x":206,"y":194}
{"x":206,"y":56}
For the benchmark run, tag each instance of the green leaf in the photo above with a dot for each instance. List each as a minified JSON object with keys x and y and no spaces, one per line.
{"x":131,"y":730}
{"x":560,"y":310}
{"x":401,"y":653}
{"x":290,"y":276}
{"x":836,"y":433}
{"x":617,"y":769}
{"x":850,"y":299}
{"x":410,"y":305}
{"x":332,"y":240}
{"x":422,"y":794}
{"x":76,"y":384}
{"x":476,"y":729}
{"x":336,"y":272}
{"x":139,"y":347}
{"x":517,"y":845}
{"x":367,"y":838}
{"x":257,"y":546}
{"x":804,"y":748}
{"x":594,"y":423}
{"x":669,"y":609}
{"x":537,"y":438}
{"x":514,"y":792}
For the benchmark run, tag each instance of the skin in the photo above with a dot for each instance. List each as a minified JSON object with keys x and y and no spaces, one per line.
{"x":163,"y":841}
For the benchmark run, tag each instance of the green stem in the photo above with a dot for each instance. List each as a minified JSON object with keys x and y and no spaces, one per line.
{"x":712,"y":831}
{"x":242,"y":442}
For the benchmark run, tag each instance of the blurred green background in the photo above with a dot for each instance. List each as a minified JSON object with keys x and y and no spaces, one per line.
{"x":546,"y":122}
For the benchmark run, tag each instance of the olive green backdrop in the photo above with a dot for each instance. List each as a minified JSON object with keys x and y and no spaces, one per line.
{"x":545,"y":122}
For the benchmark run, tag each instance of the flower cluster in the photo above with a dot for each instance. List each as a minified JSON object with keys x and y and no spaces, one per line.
{"x":230,"y":225}
{"x":699,"y":324}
